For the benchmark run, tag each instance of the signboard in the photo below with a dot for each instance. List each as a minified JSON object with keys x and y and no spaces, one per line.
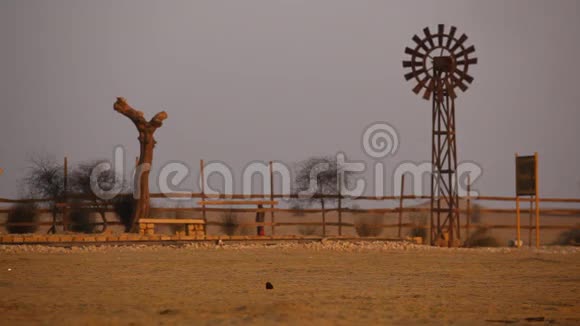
{"x":525,"y":175}
{"x":527,"y":185}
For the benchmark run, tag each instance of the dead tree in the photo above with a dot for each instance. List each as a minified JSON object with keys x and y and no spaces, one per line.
{"x":146,"y":130}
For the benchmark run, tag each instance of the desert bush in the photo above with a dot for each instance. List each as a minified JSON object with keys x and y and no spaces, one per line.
{"x":420,"y":230}
{"x":81,"y":219}
{"x":123,"y":207}
{"x":475,"y":213}
{"x":329,"y":174}
{"x":298,"y":209}
{"x":229,"y":222}
{"x":570,"y":237}
{"x":308,"y":230}
{"x":22,"y":213}
{"x":481,"y":238}
{"x":91,"y":187}
{"x":45,"y":179}
{"x":369,"y":226}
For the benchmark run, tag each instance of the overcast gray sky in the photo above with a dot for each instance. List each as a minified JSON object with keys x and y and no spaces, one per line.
{"x":284,"y":80}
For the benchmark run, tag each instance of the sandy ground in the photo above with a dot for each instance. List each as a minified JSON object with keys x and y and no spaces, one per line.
{"x":315,"y":283}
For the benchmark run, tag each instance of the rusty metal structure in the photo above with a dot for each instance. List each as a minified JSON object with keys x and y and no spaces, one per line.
{"x":439,"y":63}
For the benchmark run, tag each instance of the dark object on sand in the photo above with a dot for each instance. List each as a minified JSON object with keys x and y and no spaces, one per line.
{"x":269,"y":286}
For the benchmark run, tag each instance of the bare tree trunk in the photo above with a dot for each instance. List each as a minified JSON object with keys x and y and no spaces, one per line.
{"x":147,"y":142}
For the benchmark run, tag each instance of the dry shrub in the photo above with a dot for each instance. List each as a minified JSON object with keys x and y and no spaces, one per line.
{"x":570,"y":237}
{"x":123,"y":206}
{"x":369,"y":226}
{"x":81,"y":219}
{"x":481,"y":238}
{"x":420,"y":221}
{"x":22,"y":213}
{"x":298,"y":210}
{"x":476,"y":213}
{"x":308,"y":230}
{"x":229,"y":222}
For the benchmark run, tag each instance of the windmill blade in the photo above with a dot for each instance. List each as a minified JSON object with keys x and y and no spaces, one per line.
{"x":462,"y":39}
{"x":414,"y":52}
{"x":439,"y":84}
{"x":429,"y":36}
{"x":420,"y":85}
{"x":407,"y":64}
{"x":471,"y":61}
{"x":467,"y":51}
{"x":414,"y":73}
{"x":420,"y":43}
{"x":458,"y":83}
{"x":440,"y":31}
{"x":451,"y":36}
{"x":429,"y":90}
{"x":464,"y":75}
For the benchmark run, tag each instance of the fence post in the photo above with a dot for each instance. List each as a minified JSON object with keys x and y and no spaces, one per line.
{"x":468,"y":208}
{"x":339,"y":205}
{"x":272,"y":217}
{"x":537,"y":202}
{"x":202,"y":176}
{"x":530,"y":221}
{"x":517,"y":221}
{"x":401,"y":203}
{"x":65,"y":193}
{"x":323,"y":216}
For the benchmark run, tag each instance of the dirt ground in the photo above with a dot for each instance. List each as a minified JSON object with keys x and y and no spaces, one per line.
{"x":315,"y":283}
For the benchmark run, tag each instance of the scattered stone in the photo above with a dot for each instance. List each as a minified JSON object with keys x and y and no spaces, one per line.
{"x":529,"y":319}
{"x":315,"y":246}
{"x":168,"y":312}
{"x":502,"y":321}
{"x":269,"y":286}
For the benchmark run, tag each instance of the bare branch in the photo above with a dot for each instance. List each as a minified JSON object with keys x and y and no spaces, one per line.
{"x":157,"y":120}
{"x":125,"y":109}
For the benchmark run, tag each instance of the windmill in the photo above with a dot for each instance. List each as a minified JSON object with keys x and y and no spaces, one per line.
{"x":439,"y":64}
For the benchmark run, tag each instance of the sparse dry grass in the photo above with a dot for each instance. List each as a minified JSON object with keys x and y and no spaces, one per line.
{"x":331,"y":283}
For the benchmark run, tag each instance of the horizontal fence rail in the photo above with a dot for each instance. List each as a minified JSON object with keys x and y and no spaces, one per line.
{"x":295,"y":196}
{"x":106,"y":207}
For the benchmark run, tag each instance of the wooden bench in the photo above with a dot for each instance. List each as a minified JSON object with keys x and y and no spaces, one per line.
{"x":193,"y":226}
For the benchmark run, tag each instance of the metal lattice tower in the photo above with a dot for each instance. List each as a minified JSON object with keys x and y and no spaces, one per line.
{"x":439,"y":64}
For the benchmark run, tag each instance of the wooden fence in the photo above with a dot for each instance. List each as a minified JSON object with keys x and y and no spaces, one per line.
{"x":465,"y":213}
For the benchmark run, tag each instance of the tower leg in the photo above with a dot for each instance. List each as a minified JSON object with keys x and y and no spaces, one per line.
{"x":444,"y":183}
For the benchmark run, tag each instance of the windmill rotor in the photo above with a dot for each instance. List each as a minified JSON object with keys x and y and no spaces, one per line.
{"x":440,"y":58}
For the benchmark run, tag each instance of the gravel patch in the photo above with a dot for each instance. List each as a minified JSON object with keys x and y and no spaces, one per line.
{"x":341,"y":246}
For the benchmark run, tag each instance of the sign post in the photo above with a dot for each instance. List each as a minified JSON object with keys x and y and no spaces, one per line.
{"x":527,"y":185}
{"x":537,"y":202}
